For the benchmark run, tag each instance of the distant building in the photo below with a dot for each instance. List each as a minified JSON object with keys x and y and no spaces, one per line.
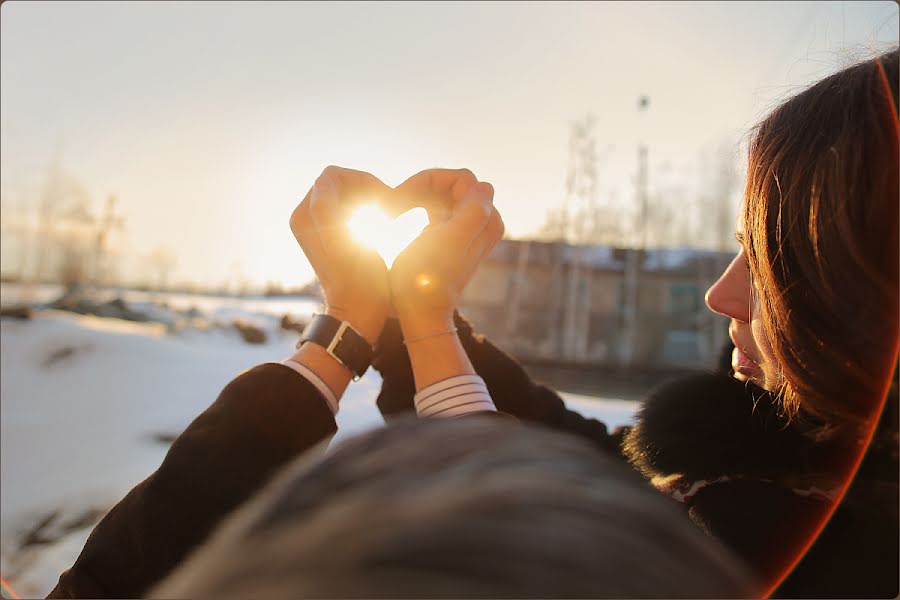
{"x":552,"y":301}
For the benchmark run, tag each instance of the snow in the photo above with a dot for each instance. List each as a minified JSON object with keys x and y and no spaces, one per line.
{"x":598,"y":257}
{"x":674,"y":259}
{"x":613,"y":412}
{"x":81,"y":399}
{"x":14,"y":293}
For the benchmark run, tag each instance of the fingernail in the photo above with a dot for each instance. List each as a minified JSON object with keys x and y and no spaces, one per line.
{"x":323,"y":185}
{"x":483,"y":188}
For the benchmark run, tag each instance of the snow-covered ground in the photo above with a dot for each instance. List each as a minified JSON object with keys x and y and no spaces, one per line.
{"x":260,"y":310}
{"x":83,"y":398}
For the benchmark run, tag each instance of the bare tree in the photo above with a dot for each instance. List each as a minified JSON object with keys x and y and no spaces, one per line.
{"x":163,"y":262}
{"x":553,"y":228}
{"x":109,"y":223}
{"x":64,"y":222}
{"x":14,"y":231}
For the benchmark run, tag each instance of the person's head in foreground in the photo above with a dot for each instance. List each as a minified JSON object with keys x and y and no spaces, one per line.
{"x":813,"y":292}
{"x":475,"y":507}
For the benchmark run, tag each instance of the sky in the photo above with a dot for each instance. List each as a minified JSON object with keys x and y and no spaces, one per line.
{"x":210,"y":121}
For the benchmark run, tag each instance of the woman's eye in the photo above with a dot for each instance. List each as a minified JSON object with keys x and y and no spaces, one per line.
{"x":749,"y":270}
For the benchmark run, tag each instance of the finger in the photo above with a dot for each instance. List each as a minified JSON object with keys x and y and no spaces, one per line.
{"x":308,"y":238}
{"x":471,"y":215}
{"x":438,"y":211}
{"x":329,"y":214}
{"x":325,"y":206}
{"x":482,"y":246}
{"x":354,"y":188}
{"x":319,"y":221}
{"x":487,"y":239}
{"x":440,"y":181}
{"x":350,"y":178}
{"x":437,"y":189}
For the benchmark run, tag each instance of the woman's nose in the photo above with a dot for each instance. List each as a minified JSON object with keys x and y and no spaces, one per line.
{"x":730,"y":295}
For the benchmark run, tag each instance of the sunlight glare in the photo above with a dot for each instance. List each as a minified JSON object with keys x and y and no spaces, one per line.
{"x":370,"y":226}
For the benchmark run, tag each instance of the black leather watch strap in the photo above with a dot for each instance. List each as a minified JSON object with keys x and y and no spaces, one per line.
{"x":341,"y":341}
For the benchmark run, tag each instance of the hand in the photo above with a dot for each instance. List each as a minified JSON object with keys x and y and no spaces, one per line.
{"x":354,"y":278}
{"x":428,"y":277}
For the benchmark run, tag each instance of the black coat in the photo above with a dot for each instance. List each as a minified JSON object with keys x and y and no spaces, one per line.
{"x":262,"y":420}
{"x":269,"y":415}
{"x":714,"y":429}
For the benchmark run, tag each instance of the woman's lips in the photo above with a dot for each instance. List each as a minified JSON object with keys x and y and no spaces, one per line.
{"x":742,"y":364}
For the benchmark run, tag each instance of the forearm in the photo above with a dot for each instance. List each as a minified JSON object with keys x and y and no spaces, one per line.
{"x":435,"y":352}
{"x":394,"y":357}
{"x":446,"y":384}
{"x":512,"y":389}
{"x":334,"y":375}
{"x":262,"y":420}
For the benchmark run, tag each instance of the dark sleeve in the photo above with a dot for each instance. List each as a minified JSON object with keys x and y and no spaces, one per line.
{"x":764,"y":524}
{"x":262,"y":420}
{"x":511,"y":388}
{"x":768,"y":526}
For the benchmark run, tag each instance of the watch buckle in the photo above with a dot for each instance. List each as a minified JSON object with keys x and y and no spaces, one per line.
{"x":338,"y":336}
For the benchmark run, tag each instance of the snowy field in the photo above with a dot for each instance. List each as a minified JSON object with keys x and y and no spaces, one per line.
{"x":89,"y":404}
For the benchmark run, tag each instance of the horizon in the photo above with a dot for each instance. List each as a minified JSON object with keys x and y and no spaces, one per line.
{"x":211,"y":138}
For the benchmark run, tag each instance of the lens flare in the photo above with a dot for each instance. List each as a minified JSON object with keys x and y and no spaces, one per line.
{"x":371,"y":227}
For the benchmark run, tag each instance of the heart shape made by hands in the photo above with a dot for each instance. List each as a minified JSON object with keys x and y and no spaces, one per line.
{"x":371,"y":226}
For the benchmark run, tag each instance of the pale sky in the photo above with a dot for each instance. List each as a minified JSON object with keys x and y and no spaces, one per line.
{"x":211,"y":120}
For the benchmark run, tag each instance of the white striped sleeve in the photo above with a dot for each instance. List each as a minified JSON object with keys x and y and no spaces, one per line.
{"x":453,"y":397}
{"x":314,"y":379}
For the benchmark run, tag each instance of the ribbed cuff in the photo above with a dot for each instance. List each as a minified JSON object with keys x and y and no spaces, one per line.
{"x":453,"y":397}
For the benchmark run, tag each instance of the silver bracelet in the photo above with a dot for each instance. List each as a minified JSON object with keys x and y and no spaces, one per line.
{"x":430,"y":335}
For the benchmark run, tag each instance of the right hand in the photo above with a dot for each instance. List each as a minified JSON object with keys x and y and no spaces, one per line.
{"x":428,"y":277}
{"x":354,"y":278}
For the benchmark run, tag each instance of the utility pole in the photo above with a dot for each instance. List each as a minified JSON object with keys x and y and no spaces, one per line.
{"x":581,"y":192}
{"x":635,"y":254}
{"x":512,"y":317}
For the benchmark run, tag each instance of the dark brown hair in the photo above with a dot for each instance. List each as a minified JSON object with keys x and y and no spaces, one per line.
{"x":472,"y":507}
{"x":820,"y":222}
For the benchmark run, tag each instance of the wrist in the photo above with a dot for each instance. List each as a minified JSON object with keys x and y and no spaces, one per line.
{"x":435,"y":357}
{"x":367,"y":324}
{"x":418,"y":325}
{"x":332,"y":373}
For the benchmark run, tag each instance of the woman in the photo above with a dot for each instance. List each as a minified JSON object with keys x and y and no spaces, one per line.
{"x":761,"y":460}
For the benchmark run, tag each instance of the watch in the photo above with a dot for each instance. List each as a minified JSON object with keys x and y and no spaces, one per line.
{"x":341,"y":341}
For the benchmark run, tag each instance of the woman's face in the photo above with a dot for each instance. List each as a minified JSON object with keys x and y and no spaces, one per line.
{"x":733,"y":295}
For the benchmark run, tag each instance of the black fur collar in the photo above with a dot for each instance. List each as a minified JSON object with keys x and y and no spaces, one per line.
{"x":704,"y":426}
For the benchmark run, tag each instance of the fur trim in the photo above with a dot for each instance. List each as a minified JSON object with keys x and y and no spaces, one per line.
{"x":707,"y":426}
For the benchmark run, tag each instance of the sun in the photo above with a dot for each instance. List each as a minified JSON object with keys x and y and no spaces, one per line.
{"x":371,"y":227}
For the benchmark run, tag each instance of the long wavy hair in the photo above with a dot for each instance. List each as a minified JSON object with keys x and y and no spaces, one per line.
{"x":820,"y":215}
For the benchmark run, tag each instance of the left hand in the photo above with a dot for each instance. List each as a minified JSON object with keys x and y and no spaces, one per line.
{"x":428,"y":277}
{"x":354,"y":278}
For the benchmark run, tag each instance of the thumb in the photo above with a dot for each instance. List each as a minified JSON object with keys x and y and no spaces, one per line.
{"x":325,"y":207}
